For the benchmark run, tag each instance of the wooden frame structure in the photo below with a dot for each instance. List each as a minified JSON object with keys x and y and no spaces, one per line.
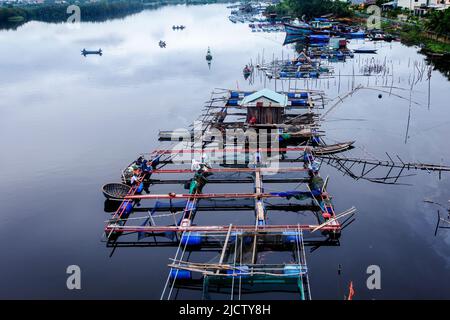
{"x":239,"y":247}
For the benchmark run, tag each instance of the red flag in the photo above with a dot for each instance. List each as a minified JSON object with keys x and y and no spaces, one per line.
{"x":351,"y":291}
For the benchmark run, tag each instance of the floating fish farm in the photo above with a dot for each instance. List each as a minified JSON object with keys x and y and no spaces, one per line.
{"x":167,"y":196}
{"x":239,"y":195}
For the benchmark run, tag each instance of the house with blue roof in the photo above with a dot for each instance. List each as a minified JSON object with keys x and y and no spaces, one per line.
{"x":265,"y":107}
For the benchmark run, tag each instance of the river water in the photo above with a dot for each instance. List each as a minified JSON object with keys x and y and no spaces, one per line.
{"x":70,"y":123}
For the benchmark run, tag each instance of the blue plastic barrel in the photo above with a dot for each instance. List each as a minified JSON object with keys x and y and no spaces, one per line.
{"x":241,"y":272}
{"x":191,"y":239}
{"x":234,"y":235}
{"x":180,"y":274}
{"x":293,"y":270}
{"x":248,"y":239}
{"x":127,"y":207}
{"x":140,"y":188}
{"x":300,"y":102}
{"x":290,"y":236}
{"x":234,"y":94}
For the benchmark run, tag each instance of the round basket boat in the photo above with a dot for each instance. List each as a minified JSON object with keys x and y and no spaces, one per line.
{"x":115,"y":191}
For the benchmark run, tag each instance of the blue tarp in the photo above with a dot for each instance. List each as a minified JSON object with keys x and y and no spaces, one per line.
{"x":319,"y":38}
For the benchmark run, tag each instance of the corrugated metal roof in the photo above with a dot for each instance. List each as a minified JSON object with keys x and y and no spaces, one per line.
{"x":268,"y":94}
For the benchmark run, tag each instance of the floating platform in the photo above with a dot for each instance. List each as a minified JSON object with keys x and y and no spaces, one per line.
{"x":148,"y":217}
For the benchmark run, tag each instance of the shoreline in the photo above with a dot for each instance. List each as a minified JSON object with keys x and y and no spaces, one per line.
{"x":16,"y":16}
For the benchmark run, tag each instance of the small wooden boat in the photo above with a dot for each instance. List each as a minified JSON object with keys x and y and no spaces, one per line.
{"x":297,"y":29}
{"x":365,"y":50}
{"x":85,"y":52}
{"x":319,"y":38}
{"x":115,"y":191}
{"x":320,"y":24}
{"x":355,"y":35}
{"x":333,"y":148}
{"x":299,"y":132}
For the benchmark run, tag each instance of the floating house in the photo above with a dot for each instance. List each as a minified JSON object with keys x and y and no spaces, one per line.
{"x":265,"y":107}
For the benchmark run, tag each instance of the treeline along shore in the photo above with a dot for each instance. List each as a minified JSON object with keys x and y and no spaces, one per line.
{"x":12,"y":16}
{"x":431,"y":31}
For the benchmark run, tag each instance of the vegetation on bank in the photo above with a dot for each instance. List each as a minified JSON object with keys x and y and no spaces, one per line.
{"x":439,"y":21}
{"x":429,"y":32}
{"x":13,"y":16}
{"x":310,"y":8}
{"x":58,"y":12}
{"x":413,"y":32}
{"x":415,"y":35}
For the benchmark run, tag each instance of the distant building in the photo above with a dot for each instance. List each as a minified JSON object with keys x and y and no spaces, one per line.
{"x":421,"y":7}
{"x":389,"y":5}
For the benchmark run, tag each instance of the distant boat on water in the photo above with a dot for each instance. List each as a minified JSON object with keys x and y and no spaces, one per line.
{"x":365,"y":50}
{"x":297,"y":29}
{"x":85,"y":52}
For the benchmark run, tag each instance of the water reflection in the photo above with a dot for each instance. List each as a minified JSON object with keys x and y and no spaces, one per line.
{"x":442,"y":64}
{"x":68,"y":124}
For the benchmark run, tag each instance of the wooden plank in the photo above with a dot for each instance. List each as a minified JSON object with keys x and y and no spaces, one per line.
{"x":219,"y":229}
{"x":231,"y":181}
{"x":232,"y":170}
{"x":189,"y":151}
{"x":224,"y":249}
{"x":203,"y":196}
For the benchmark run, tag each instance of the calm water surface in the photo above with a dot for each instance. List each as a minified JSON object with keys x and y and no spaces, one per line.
{"x":68,"y":124}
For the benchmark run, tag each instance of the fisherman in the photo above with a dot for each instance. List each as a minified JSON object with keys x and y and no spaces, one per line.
{"x":197,"y":183}
{"x":307,"y":159}
{"x":154,"y":162}
{"x":316,"y":185}
{"x":146,"y":166}
{"x":139,"y":161}
{"x":252,"y":121}
{"x":134,"y":180}
{"x":205,"y":164}
{"x":195,"y":165}
{"x":202,"y":166}
{"x":257,"y":157}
